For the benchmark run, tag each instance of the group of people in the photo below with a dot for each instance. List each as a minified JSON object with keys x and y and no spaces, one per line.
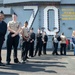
{"x":28,"y":39}
{"x":62,"y":40}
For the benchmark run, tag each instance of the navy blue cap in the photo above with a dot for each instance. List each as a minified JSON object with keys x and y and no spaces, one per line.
{"x":14,"y":14}
{"x":1,"y":12}
{"x":31,"y":28}
{"x":26,"y":22}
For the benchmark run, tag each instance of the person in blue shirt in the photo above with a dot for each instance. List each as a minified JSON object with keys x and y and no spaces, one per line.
{"x":3,"y":30}
{"x":73,"y":40}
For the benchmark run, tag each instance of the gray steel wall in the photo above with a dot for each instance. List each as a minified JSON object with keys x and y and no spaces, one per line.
{"x":67,"y":1}
{"x":24,"y":15}
{"x":15,"y":1}
{"x":1,"y":1}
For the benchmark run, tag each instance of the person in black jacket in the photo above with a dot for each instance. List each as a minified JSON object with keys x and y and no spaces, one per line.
{"x":44,"y":39}
{"x":38,"y":43}
{"x":3,"y":30}
{"x":31,"y":42}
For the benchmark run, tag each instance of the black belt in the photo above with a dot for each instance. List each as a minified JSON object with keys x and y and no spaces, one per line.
{"x":11,"y":33}
{"x":26,"y":36}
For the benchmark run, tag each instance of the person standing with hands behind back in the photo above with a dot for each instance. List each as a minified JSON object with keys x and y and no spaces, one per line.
{"x":3,"y":30}
{"x":13,"y":38}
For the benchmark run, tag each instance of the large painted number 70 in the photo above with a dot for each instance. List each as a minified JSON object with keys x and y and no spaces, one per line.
{"x":35,"y":9}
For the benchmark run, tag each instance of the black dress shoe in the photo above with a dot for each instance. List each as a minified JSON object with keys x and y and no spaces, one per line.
{"x":53,"y":53}
{"x":27,"y":57}
{"x":57,"y":54}
{"x":23,"y":62}
{"x":2,"y":64}
{"x":8,"y":63}
{"x":16,"y":60}
{"x":45,"y":53}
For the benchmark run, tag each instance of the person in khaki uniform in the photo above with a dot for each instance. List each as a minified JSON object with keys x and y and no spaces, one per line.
{"x":13,"y":38}
{"x":25,"y":45}
{"x":63,"y":44}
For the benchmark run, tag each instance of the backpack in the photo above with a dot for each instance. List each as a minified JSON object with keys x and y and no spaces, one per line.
{"x":59,"y":38}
